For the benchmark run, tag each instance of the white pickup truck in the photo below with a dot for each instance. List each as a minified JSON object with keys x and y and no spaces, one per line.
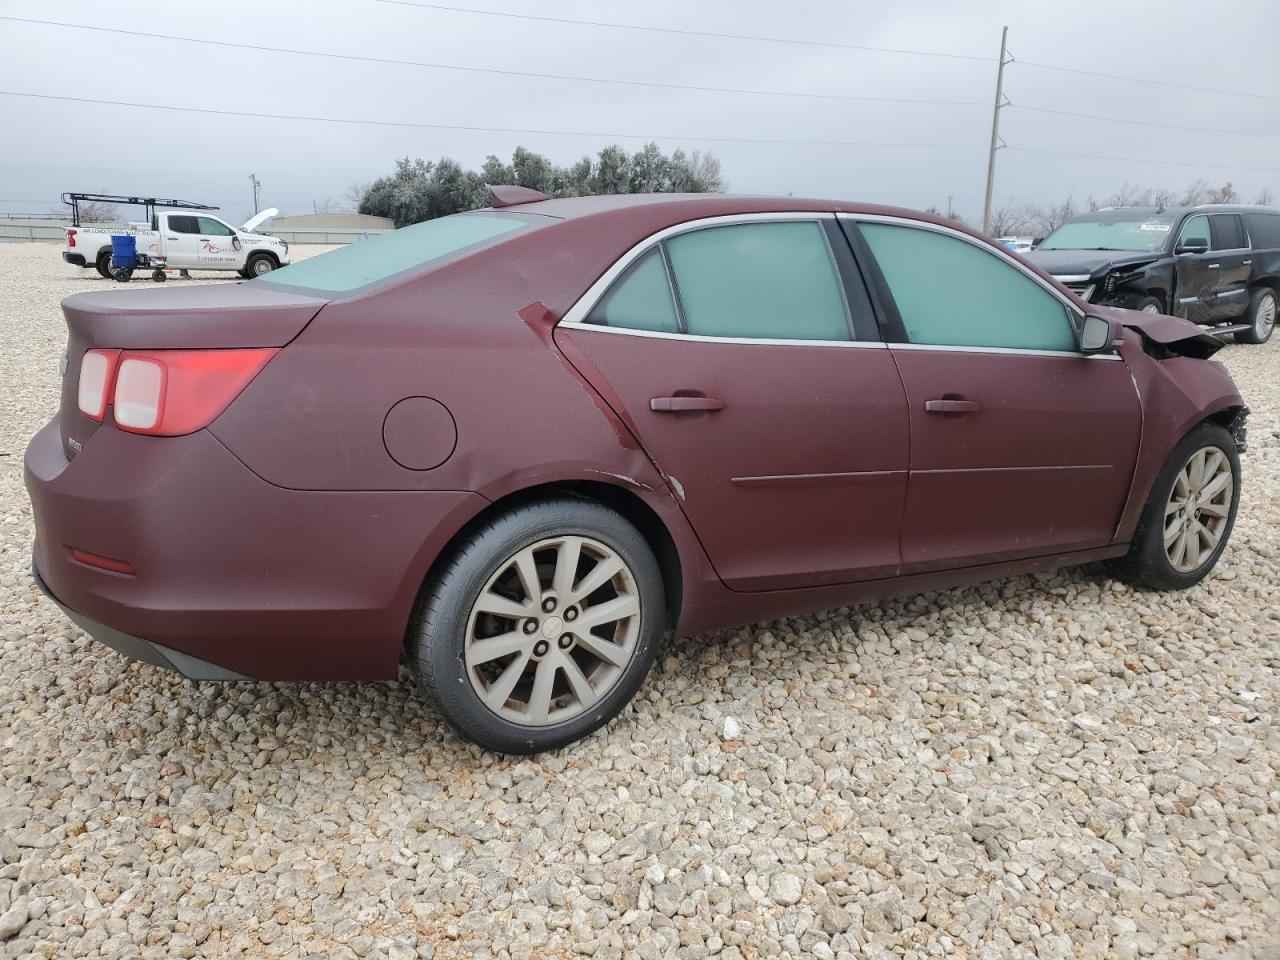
{"x":187,"y":241}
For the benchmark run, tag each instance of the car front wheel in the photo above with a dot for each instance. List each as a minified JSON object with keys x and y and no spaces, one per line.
{"x":1186,"y":524}
{"x":541,"y":627}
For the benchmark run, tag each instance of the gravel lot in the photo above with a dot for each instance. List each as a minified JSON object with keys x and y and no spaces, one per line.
{"x":1050,"y":766}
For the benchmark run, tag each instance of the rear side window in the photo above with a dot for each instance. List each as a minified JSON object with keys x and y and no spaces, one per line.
{"x":180,"y":223}
{"x":366,"y":262}
{"x":950,"y":292}
{"x":1228,"y":231}
{"x":762,"y":280}
{"x":1264,"y":230}
{"x":641,"y":299}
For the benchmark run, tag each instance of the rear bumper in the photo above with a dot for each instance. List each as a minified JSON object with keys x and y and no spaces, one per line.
{"x":235,"y":577}
{"x":75,"y":259}
{"x":135,"y":648}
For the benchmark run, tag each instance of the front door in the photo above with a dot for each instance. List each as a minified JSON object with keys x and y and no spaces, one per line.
{"x":762,"y":392}
{"x":217,"y":245}
{"x":1020,"y":445}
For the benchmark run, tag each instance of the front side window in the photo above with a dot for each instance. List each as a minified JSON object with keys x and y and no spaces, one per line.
{"x":950,"y":292}
{"x":641,"y":299}
{"x":761,"y":280}
{"x":210,"y":227}
{"x":1195,"y":231}
{"x":183,"y":224}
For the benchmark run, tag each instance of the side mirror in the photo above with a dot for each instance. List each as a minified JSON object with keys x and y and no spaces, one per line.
{"x":1098,"y":335}
{"x":1195,"y":245}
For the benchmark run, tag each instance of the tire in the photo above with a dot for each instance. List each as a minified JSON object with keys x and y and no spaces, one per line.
{"x":1148,"y":305}
{"x":122,"y":275}
{"x":103,"y":263}
{"x":1261,"y":316}
{"x":259,"y":265}
{"x":1148,"y":562}
{"x":158,"y":276}
{"x":449,"y":627}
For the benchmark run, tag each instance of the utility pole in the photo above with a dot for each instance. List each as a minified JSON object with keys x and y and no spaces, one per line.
{"x":950,"y":212}
{"x":257,"y":186}
{"x":995,"y":130}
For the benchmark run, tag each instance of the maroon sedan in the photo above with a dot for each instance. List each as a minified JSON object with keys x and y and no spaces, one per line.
{"x":515,"y":446}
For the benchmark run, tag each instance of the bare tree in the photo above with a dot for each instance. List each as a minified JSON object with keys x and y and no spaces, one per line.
{"x":1012,"y":218}
{"x":1264,"y":197}
{"x":1050,"y":218}
{"x":92,"y":211}
{"x":1223,"y":194}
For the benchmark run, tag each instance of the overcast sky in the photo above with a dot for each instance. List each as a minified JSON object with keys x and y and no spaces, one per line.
{"x":52,"y":146}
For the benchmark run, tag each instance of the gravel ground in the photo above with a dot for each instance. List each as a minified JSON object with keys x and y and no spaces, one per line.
{"x":1050,"y":766}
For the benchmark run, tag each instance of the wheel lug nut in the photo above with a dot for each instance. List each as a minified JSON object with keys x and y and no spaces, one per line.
{"x":530,"y":626}
{"x":548,"y":604}
{"x":566,"y":641}
{"x":571,"y":613}
{"x":540,"y":648}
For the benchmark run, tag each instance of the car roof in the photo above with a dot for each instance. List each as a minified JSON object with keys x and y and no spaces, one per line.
{"x":1138,"y":213}
{"x":680,"y":207}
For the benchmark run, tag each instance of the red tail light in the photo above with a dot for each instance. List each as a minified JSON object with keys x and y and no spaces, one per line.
{"x":71,"y":238}
{"x":171,"y":392}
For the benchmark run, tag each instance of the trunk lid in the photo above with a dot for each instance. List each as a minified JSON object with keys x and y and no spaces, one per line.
{"x":213,"y":316}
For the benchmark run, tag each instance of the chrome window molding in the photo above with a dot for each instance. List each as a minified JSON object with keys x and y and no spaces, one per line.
{"x":1071,"y":277}
{"x":699,"y":338}
{"x":1013,"y":351}
{"x":576,"y":315}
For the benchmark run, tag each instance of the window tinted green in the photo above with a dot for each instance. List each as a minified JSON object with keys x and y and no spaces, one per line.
{"x":641,"y":299}
{"x":953,"y":293}
{"x":368,"y":261}
{"x":210,"y":227}
{"x":1195,"y":229}
{"x":768,"y":280}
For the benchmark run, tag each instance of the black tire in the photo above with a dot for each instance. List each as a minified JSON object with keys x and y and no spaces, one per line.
{"x":1147,"y":304}
{"x":1147,"y":562}
{"x":103,"y":263}
{"x":437,"y":636}
{"x":259,"y":265}
{"x":1260,"y":330}
{"x":158,"y":276}
{"x":122,"y":275}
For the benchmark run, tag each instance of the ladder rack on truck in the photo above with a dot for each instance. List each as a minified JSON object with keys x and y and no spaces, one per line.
{"x":73,"y":200}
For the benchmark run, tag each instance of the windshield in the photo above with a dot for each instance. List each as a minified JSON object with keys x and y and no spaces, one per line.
{"x":366,"y":262}
{"x":1100,"y":234}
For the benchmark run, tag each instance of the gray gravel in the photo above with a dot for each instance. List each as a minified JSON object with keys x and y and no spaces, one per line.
{"x":1049,"y":766}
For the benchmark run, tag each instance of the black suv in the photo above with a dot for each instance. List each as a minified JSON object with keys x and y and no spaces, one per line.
{"x":1217,"y":264}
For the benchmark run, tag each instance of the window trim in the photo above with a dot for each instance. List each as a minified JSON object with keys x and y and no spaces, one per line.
{"x":893,"y":329}
{"x":676,"y":313}
{"x":576,"y":316}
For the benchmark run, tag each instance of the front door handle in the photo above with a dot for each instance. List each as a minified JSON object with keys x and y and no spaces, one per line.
{"x":951,"y":406}
{"x":684,"y":404}
{"x":1214,"y":266}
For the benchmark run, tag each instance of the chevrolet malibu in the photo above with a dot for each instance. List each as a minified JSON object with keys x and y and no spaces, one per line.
{"x":514,"y":447}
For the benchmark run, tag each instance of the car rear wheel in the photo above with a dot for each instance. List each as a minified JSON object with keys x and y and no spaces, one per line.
{"x":103,"y":264}
{"x":1261,"y":315}
{"x":1187,"y":521}
{"x":541,"y":627}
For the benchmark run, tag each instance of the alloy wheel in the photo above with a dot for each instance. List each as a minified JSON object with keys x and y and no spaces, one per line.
{"x":1265,"y":320}
{"x":552,"y":631}
{"x":1151,"y":308}
{"x":1199,"y":509}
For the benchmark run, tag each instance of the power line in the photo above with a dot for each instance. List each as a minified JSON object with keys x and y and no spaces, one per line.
{"x":1167,"y":163}
{"x":682,"y":32}
{"x":1129,"y":79}
{"x":478,"y":129}
{"x":1146,"y":123}
{"x":524,"y":74}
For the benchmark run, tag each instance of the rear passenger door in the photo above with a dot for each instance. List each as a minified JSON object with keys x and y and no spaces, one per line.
{"x":744,"y":354}
{"x":1232,"y":262}
{"x":180,"y":239}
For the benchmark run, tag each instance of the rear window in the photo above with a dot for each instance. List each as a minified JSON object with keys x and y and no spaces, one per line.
{"x":1264,"y":230}
{"x":367,"y":262}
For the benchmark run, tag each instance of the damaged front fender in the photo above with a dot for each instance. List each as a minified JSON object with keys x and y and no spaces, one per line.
{"x":1164,"y":336}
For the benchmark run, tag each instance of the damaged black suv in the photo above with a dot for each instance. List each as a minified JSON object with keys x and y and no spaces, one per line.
{"x":1217,"y":265}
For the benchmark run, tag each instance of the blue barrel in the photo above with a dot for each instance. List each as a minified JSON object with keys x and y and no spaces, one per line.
{"x":124,"y":251}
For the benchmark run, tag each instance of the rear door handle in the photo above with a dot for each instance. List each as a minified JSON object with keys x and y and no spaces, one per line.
{"x":1214,"y":266}
{"x":683,"y":404}
{"x":951,"y":406}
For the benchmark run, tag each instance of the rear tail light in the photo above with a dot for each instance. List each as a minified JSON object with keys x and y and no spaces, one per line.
{"x":97,"y":370}
{"x":168,"y":393}
{"x":71,"y":238}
